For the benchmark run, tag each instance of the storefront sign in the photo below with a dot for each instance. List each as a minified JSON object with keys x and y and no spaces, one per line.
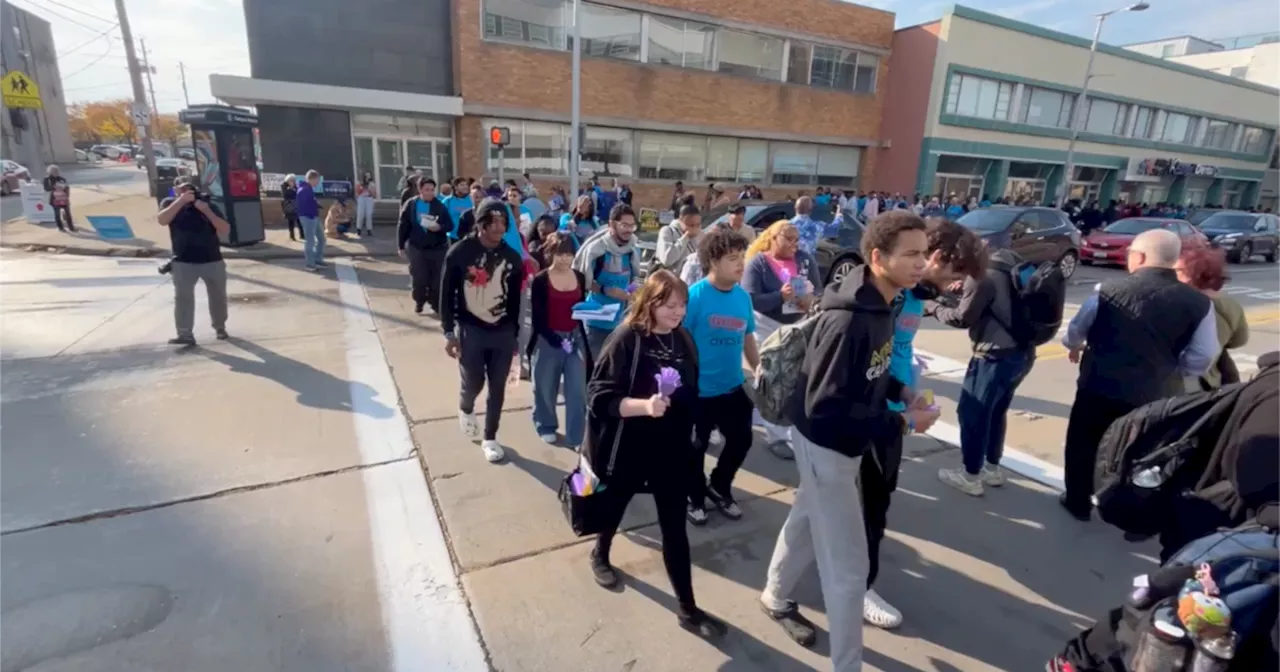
{"x":1162,"y":167}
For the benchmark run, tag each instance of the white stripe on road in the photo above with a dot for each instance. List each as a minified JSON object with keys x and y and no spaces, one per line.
{"x":424,"y":614}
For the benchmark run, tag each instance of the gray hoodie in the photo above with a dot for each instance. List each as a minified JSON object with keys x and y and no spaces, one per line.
{"x":986,"y":305}
{"x":673,"y":247}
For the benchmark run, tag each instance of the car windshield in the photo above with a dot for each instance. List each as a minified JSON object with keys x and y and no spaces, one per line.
{"x":988,"y":220}
{"x":1133,"y":227}
{"x":1230,"y":221}
{"x":1200,"y":215}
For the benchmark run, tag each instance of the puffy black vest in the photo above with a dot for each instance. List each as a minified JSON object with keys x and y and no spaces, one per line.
{"x":1144,"y":322}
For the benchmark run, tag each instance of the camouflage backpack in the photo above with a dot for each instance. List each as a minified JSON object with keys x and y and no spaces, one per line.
{"x":781,"y":358}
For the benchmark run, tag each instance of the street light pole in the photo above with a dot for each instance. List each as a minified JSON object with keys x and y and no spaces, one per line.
{"x":1081,"y":100}
{"x":576,"y":102}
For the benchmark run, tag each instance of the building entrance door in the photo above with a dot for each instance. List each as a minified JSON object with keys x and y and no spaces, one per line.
{"x":387,"y":158}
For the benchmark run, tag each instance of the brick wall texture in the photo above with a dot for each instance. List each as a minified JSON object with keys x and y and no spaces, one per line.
{"x":524,"y":77}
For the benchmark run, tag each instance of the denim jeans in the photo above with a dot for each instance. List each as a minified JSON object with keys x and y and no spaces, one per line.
{"x":989,"y":386}
{"x":364,"y":213}
{"x":551,"y":365}
{"x":313,"y":246}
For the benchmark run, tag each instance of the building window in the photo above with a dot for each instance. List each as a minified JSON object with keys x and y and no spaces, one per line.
{"x":1106,"y":117}
{"x":864,"y":80}
{"x":794,"y":163}
{"x":683,"y":43}
{"x":1255,"y":140}
{"x":1218,"y":134}
{"x":753,"y":160}
{"x":535,"y":22}
{"x":833,"y":68}
{"x":971,"y":96}
{"x":536,"y":148}
{"x":1142,"y":122}
{"x":1046,"y":107}
{"x":667,"y":156}
{"x":1178,"y":128}
{"x":838,"y":166}
{"x":609,"y":33}
{"x":607,"y":152}
{"x":722,"y":159}
{"x":798,"y":63}
{"x":745,"y":54}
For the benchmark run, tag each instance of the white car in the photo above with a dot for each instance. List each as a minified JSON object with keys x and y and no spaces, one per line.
{"x":12,"y":175}
{"x":87,"y":157}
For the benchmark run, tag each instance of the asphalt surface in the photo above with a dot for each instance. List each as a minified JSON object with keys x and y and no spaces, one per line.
{"x":98,"y":181}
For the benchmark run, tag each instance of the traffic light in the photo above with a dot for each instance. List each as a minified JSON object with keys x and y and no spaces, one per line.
{"x":499,"y":136}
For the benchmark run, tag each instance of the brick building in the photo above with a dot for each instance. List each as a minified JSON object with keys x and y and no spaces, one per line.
{"x":783,"y":95}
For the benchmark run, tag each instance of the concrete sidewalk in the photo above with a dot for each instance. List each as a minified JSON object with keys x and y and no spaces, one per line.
{"x":998,"y":583}
{"x":153,"y":240}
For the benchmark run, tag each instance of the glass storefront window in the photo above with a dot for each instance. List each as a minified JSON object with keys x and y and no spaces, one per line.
{"x":607,"y":152}
{"x":668,"y":156}
{"x":795,"y":163}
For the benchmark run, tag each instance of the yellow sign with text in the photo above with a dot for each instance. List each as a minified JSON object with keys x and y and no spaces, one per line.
{"x":19,"y":90}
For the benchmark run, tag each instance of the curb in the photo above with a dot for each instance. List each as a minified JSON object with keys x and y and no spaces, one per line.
{"x":147,"y":253}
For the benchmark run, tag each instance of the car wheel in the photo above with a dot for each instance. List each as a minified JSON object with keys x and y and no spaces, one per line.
{"x":1245,"y":253}
{"x":1068,"y":263}
{"x":1271,"y":256}
{"x":841,"y":268}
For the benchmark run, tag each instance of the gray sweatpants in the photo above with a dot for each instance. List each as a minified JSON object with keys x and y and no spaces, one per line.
{"x":484,"y":356}
{"x":214,"y":275}
{"x":825,"y":524}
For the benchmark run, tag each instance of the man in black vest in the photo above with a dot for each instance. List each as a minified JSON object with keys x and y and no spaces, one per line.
{"x":1137,"y":334}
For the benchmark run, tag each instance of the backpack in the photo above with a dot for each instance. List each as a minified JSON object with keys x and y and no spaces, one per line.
{"x":781,"y":359}
{"x":1156,"y":452}
{"x":1038,"y":298}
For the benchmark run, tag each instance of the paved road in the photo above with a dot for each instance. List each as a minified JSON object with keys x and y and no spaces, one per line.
{"x":261,"y":504}
{"x":89,"y":184}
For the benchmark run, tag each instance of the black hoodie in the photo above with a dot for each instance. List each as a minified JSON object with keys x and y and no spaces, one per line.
{"x":839,"y":402}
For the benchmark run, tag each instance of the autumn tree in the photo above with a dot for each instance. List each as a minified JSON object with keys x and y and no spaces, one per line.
{"x":169,"y":129}
{"x":104,"y":121}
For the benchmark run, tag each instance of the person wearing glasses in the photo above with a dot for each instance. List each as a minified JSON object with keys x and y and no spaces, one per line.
{"x":611,"y":262}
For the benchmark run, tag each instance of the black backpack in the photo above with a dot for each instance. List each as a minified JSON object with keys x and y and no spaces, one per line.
{"x":1150,"y":456}
{"x":1039,"y":296}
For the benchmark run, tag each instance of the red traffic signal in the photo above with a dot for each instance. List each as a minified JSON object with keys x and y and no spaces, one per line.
{"x":499,"y":136}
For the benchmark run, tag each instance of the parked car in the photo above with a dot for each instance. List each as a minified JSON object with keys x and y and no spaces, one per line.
{"x":83,"y":156}
{"x":106,"y":151}
{"x":186,"y":153}
{"x":12,"y":175}
{"x":140,"y":158}
{"x":1036,"y":234}
{"x":171,"y":168}
{"x":1111,"y":244}
{"x":1200,"y":214}
{"x":1243,"y":234}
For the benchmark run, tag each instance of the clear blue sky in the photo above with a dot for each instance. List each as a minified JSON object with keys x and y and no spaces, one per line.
{"x":209,"y":36}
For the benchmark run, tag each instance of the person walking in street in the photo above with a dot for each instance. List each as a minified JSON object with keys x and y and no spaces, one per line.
{"x":722,"y":323}
{"x":366,"y":192}
{"x":642,"y":400}
{"x":479,"y":315}
{"x":467,"y":222}
{"x":309,"y":216}
{"x":194,"y":227}
{"x":423,"y":236}
{"x":410,"y":188}
{"x":839,"y":412}
{"x":734,"y":220}
{"x":811,"y":230}
{"x":611,"y":263}
{"x":679,"y":239}
{"x":59,"y":198}
{"x":289,"y":204}
{"x":999,"y":364}
{"x":1132,"y":338}
{"x":582,"y":222}
{"x":783,"y":281}
{"x":1204,"y":268}
{"x":558,"y":350}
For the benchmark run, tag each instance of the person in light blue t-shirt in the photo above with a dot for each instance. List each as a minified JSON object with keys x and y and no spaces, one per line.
{"x":722,"y":323}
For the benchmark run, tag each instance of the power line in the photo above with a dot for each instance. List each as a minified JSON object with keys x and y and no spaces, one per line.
{"x":90,"y":64}
{"x":88,"y":42}
{"x":81,"y":11}
{"x":67,"y":19}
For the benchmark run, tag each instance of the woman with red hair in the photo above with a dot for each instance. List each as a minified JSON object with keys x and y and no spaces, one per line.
{"x":1204,"y":268}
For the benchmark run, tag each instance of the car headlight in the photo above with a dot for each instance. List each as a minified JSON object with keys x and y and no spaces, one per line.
{"x":1227,"y":238}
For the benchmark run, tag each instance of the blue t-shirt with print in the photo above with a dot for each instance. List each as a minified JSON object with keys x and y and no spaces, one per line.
{"x":719,"y":322}
{"x":458,"y":206}
{"x":611,"y":270}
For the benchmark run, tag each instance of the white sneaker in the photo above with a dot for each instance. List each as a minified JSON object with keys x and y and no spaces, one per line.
{"x":991,"y":475}
{"x":879,"y":613}
{"x":467,"y":422}
{"x":548,"y":437}
{"x":492,"y":450}
{"x":962,"y":481}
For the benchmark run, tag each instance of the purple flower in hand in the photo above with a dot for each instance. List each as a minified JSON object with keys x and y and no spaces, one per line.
{"x":633,"y":287}
{"x":784,"y":275}
{"x":668,"y":381}
{"x":566,"y":345}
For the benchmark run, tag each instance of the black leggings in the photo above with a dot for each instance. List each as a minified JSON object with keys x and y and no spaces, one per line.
{"x":295,"y":224}
{"x":670,"y":502}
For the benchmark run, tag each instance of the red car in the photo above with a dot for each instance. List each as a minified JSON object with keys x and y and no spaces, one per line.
{"x":1111,"y":244}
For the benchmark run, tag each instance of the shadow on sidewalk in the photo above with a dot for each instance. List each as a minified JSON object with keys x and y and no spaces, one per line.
{"x":315,"y":388}
{"x":413,"y":324}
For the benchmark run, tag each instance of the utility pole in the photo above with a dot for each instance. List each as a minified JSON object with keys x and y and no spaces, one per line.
{"x":149,"y":69}
{"x":139,"y":97}
{"x":183,"y":70}
{"x":575,"y":103}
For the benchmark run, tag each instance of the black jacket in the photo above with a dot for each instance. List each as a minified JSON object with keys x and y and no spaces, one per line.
{"x":480,"y":286}
{"x":839,"y":402}
{"x":538,"y":303}
{"x":411,"y":232}
{"x":466,"y":224}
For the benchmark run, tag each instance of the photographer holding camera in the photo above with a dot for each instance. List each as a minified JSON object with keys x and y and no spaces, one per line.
{"x":194,"y":227}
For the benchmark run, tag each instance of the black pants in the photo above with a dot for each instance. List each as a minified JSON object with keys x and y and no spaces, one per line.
{"x":484,"y":355}
{"x":731,"y":414}
{"x":670,"y":502}
{"x":62,"y":216}
{"x":425,"y":267}
{"x":1091,"y":416}
{"x":876,"y":488}
{"x":295,"y":224}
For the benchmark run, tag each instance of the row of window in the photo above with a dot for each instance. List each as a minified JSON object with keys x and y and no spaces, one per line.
{"x":543,"y":148}
{"x":985,"y":98}
{"x":610,"y":32}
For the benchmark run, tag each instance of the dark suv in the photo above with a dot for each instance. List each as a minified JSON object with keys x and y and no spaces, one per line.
{"x":1243,"y":234}
{"x":1036,"y":234}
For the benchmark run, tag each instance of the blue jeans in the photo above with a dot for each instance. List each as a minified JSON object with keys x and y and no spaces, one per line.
{"x":989,"y":386}
{"x":313,"y":246}
{"x":551,"y":364}
{"x":595,"y":340}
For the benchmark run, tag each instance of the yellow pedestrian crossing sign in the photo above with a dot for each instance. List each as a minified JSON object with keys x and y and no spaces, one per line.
{"x":19,"y":90}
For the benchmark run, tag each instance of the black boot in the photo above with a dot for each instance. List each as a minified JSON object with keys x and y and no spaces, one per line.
{"x":602,"y":571}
